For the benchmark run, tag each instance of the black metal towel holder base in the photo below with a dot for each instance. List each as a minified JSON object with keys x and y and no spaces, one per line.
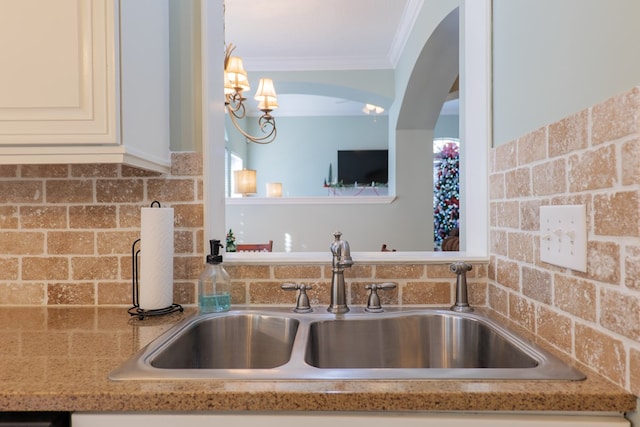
{"x":136,"y":310}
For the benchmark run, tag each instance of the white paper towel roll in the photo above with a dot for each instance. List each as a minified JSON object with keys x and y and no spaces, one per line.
{"x":156,"y":258}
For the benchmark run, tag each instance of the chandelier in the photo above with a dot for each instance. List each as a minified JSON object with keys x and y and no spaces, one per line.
{"x":372,"y":109}
{"x":235,"y":83}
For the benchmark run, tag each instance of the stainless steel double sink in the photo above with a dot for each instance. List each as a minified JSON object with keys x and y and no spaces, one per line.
{"x":274,"y":344}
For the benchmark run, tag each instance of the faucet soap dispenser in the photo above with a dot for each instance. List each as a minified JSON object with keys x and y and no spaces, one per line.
{"x":214,"y":285}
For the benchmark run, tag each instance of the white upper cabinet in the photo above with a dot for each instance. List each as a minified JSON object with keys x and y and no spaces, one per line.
{"x":85,"y":81}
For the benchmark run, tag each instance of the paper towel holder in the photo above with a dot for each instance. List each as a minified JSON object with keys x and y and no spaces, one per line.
{"x":136,"y":310}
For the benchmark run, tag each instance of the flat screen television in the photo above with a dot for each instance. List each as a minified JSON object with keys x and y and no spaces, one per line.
{"x":363,"y":166}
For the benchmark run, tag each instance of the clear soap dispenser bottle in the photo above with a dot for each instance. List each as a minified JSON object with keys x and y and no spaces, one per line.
{"x":214,"y":285}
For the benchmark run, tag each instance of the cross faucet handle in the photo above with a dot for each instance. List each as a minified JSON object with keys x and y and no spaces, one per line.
{"x":373,"y":303}
{"x":302,"y":303}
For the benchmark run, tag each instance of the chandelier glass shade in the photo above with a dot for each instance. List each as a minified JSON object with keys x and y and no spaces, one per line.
{"x":235,"y":83}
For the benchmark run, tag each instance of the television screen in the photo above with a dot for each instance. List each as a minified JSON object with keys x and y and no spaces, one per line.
{"x":363,"y":166}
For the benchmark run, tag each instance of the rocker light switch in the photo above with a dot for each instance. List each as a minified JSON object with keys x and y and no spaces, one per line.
{"x":563,"y":236}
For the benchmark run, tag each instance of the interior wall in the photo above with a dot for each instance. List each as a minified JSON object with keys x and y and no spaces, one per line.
{"x":447,"y":126}
{"x":185,"y":75}
{"x":307,"y":145}
{"x":365,"y":226}
{"x":400,"y":225}
{"x":234,"y":141}
{"x":366,"y":86}
{"x":553,"y":58}
{"x":432,"y":75}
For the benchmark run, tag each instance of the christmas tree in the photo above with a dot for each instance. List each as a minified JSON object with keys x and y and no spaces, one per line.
{"x":446,"y":201}
{"x":231,"y":242}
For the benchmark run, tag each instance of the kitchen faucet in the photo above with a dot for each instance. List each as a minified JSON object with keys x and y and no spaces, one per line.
{"x":341,"y":260}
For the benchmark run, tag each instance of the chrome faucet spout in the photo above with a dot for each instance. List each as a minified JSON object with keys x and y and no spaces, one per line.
{"x":341,"y":260}
{"x":341,"y":252}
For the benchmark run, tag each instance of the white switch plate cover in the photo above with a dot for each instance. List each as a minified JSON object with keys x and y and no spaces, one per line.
{"x":563,"y":236}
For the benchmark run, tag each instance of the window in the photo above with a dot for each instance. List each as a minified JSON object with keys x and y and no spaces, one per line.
{"x":232,"y":163}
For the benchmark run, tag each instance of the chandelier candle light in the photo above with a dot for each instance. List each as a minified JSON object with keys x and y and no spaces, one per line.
{"x":235,"y":83}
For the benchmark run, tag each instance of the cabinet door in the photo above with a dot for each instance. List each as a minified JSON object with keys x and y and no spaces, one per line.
{"x":58,"y":73}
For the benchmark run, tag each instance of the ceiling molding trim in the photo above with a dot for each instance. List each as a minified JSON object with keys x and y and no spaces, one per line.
{"x":407,"y":21}
{"x":315,"y":64}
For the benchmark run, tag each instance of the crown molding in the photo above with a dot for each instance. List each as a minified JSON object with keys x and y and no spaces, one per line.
{"x":407,"y":21}
{"x":316,"y":63}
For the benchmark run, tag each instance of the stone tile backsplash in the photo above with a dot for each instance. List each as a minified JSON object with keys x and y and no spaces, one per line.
{"x":590,"y":158}
{"x":417,"y":284}
{"x":66,"y":230}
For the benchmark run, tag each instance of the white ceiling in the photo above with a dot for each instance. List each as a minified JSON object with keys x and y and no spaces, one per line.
{"x":295,"y":35}
{"x":319,"y":34}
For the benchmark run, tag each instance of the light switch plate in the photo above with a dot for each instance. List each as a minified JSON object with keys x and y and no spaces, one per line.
{"x":563,"y":236}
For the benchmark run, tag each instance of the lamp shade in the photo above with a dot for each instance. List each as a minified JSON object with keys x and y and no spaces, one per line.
{"x":235,"y":74}
{"x":228,"y":87}
{"x":266,"y":95}
{"x":274,"y":189}
{"x":245,"y":181}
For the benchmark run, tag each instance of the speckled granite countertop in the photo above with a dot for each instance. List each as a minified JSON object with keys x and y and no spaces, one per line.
{"x":58,"y":359}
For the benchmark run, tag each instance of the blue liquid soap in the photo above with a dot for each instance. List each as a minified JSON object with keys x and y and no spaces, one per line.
{"x":214,"y":303}
{"x":214,"y":285}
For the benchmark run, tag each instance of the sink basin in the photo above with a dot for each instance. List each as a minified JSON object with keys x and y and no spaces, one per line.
{"x":278,"y":344}
{"x":243,"y":341}
{"x":412,"y":341}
